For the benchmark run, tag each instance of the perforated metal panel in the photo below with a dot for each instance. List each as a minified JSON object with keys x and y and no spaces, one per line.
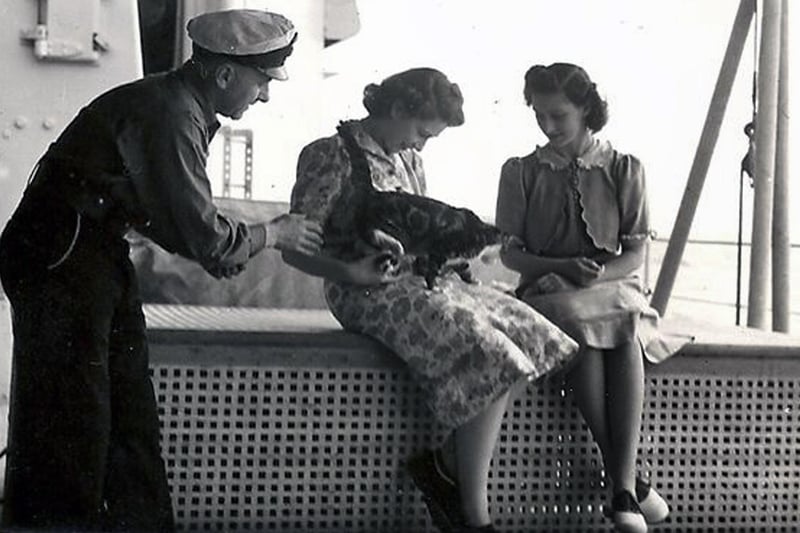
{"x":291,"y":450}
{"x":271,"y":435}
{"x":725,"y":443}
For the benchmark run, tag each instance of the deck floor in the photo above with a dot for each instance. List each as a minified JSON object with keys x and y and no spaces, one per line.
{"x":707,"y":337}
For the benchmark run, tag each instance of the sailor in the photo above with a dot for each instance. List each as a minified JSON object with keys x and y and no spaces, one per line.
{"x":83,"y":448}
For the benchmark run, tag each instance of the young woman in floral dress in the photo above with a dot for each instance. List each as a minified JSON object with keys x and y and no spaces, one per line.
{"x":466,"y":345}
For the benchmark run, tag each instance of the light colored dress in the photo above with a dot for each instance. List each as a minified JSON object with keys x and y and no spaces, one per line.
{"x":587,"y":207}
{"x":465,"y":345}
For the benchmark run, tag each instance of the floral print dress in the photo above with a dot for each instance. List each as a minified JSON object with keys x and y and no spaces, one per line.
{"x":465,"y":345}
{"x":587,"y":207}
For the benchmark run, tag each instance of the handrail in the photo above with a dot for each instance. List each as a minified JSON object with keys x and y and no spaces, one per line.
{"x":717,"y":242}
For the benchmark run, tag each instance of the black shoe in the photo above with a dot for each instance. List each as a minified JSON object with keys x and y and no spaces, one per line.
{"x":488,"y":528}
{"x":439,"y":493}
{"x":626,"y":514}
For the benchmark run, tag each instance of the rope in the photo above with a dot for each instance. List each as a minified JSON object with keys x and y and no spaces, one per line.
{"x":71,"y":245}
{"x":747,"y":166}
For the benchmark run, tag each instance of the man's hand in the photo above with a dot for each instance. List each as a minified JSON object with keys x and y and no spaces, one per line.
{"x":294,"y":232}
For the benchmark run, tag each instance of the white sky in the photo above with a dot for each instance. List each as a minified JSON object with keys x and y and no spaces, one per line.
{"x":655,"y":61}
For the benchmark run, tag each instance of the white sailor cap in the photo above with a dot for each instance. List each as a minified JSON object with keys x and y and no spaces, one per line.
{"x":256,"y":38}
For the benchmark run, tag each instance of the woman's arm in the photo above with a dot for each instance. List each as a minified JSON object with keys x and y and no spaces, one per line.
{"x":581,"y":271}
{"x":321,"y":167}
{"x":628,"y":173}
{"x":510,"y":216}
{"x":374,"y":269}
{"x":622,"y":265}
{"x":528,"y":264}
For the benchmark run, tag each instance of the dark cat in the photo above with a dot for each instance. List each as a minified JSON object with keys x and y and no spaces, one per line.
{"x":433,"y":231}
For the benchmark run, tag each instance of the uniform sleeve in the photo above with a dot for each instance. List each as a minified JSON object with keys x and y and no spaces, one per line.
{"x":633,"y":211}
{"x":512,"y":202}
{"x":321,"y":167}
{"x":166,"y":160}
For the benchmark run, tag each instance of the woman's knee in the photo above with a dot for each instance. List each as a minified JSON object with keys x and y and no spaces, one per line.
{"x":629,"y":355}
{"x":588,"y":360}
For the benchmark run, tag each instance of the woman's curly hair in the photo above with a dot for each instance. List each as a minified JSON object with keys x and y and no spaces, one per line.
{"x":423,"y":93}
{"x":574,"y":83}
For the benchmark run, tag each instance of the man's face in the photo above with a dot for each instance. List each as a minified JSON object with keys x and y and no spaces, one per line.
{"x":241,"y":86}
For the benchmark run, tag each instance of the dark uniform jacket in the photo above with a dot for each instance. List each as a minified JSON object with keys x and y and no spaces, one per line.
{"x":142,"y":148}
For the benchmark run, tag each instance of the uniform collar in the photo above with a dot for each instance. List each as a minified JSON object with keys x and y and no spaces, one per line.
{"x":597,"y":154}
{"x":190,"y":77}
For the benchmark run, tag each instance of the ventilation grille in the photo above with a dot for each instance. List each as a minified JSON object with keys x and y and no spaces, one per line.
{"x":257,"y":447}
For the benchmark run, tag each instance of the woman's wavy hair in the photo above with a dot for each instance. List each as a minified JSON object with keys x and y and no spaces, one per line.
{"x":423,"y":93}
{"x":574,"y":83}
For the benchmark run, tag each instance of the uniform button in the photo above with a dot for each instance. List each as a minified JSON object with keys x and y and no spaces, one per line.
{"x":100,"y":200}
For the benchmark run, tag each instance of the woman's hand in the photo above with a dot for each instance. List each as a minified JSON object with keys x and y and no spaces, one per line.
{"x":383,"y":241}
{"x":552,"y":282}
{"x":581,"y":271}
{"x":375,"y":269}
{"x":461,"y":267}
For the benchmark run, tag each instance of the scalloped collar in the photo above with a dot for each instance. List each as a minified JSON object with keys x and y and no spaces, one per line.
{"x":597,"y":154}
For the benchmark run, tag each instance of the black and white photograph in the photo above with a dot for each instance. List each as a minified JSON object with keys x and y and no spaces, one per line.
{"x":399,"y":266}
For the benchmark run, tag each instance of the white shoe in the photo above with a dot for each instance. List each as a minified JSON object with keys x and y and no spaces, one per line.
{"x":626,"y":515}
{"x":654,"y":508}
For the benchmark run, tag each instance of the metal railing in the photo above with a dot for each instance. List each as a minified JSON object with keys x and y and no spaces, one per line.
{"x":706,"y":284}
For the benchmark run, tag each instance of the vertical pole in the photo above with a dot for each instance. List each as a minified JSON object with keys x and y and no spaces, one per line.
{"x":739,"y":252}
{"x":647,"y":253}
{"x":781,"y":246}
{"x":766,"y":122}
{"x":702,"y":157}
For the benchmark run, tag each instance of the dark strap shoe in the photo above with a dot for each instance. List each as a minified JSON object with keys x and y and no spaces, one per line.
{"x":488,"y":528}
{"x":440,"y":493}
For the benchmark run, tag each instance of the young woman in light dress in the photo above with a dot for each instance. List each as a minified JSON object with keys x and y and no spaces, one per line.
{"x":576,"y":213}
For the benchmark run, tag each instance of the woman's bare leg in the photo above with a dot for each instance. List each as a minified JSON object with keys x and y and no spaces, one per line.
{"x":587,"y":383}
{"x":625,"y":389}
{"x":467,"y":455}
